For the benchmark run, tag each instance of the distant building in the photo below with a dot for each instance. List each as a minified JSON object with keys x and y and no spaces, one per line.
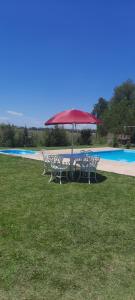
{"x":122,"y":139}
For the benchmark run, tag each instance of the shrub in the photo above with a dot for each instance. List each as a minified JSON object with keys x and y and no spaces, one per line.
{"x":85,"y":137}
{"x":115,"y":142}
{"x":128,"y":145}
{"x":56,"y":137}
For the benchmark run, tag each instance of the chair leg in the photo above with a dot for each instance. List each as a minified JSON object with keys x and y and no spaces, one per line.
{"x":78,"y":179}
{"x":89,"y":178}
{"x":51,"y":178}
{"x":44,"y":172}
{"x":67,"y":176}
{"x":60,"y":176}
{"x":95,"y":176}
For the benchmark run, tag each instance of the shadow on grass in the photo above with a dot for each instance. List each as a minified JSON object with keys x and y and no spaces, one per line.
{"x":99,"y":179}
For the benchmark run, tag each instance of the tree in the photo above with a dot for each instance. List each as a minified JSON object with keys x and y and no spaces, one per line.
{"x":122,"y":107}
{"x":85,"y":137}
{"x":133,"y":136}
{"x":119,"y":111}
{"x":100,"y":110}
{"x":25,"y":136}
{"x":100,"y":107}
{"x":19,"y":138}
{"x":7,"y":135}
{"x":124,"y":92}
{"x":56,"y":137}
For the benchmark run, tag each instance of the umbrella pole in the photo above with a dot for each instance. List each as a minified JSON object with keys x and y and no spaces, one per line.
{"x":71,"y":159}
{"x":72,"y":138}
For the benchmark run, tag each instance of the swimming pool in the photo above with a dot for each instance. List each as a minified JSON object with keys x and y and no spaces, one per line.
{"x":17,"y":152}
{"x":115,"y":155}
{"x":118,"y":155}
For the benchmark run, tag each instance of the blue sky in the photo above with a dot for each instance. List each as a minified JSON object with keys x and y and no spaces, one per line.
{"x":62,"y":54}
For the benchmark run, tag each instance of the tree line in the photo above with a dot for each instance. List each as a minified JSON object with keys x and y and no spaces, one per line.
{"x":13,"y":136}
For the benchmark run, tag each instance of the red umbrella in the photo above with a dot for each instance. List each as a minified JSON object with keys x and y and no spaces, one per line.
{"x":73,"y":117}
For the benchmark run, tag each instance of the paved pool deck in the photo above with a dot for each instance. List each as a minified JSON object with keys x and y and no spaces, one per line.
{"x":104,"y":165}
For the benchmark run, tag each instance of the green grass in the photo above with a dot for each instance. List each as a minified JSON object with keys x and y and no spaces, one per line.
{"x":70,"y":242}
{"x":60,"y":147}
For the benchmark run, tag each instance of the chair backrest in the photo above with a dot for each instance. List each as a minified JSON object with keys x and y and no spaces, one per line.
{"x":47,"y":158}
{"x":86,"y":152}
{"x":85,"y":164}
{"x":87,"y":160}
{"x":83,"y":152}
{"x":56,"y":160}
{"x":44,"y":155}
{"x":96,"y":159}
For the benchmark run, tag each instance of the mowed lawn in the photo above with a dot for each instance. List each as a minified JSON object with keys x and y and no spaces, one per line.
{"x":74,"y":241}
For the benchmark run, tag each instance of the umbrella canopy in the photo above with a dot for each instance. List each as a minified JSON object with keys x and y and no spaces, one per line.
{"x":73,"y":116}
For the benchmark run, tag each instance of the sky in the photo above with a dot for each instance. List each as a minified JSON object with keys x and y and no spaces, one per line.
{"x":62,"y":54}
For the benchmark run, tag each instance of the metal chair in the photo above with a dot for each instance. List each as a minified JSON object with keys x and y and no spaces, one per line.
{"x":59,"y":168}
{"x":47,"y":159}
{"x":93,"y":168}
{"x":88,"y":165}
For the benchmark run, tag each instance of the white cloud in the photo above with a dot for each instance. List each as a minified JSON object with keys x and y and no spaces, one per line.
{"x":19,"y":119}
{"x":4,"y":118}
{"x":14,"y":113}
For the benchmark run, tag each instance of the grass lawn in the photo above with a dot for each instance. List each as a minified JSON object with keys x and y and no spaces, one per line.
{"x":74,"y":241}
{"x":60,"y":147}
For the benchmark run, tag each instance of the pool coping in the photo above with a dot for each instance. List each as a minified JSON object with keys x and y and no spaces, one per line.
{"x":117,"y":167}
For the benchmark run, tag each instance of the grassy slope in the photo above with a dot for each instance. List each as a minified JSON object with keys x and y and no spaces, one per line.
{"x":72,"y":241}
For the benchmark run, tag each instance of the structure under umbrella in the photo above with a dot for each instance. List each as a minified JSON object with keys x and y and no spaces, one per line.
{"x":73,"y":117}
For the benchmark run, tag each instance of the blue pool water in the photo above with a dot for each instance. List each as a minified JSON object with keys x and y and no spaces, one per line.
{"x":17,"y":152}
{"x":117,"y":155}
